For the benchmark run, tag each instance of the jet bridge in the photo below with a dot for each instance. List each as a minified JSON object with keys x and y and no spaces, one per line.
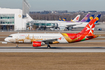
{"x":33,"y":25}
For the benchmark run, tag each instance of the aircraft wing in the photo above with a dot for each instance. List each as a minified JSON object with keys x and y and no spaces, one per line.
{"x":71,"y":25}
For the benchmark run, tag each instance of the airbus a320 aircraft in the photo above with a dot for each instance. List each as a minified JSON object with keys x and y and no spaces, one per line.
{"x":39,"y":39}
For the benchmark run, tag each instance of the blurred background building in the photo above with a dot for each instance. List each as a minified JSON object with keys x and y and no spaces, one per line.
{"x":14,"y":19}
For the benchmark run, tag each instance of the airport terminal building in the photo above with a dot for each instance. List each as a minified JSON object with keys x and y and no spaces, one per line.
{"x":14,"y":19}
{"x":19,"y":19}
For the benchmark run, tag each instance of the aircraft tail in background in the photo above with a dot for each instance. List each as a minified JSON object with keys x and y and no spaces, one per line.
{"x":64,"y":19}
{"x":98,"y":18}
{"x":76,"y":18}
{"x":85,"y":18}
{"x":90,"y":18}
{"x":60,"y":19}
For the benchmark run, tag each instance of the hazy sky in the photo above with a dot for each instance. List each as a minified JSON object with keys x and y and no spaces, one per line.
{"x":70,"y":5}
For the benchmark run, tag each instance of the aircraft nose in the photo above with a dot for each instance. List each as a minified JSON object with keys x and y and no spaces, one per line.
{"x":6,"y":39}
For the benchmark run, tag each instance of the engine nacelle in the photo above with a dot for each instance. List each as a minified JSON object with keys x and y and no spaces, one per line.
{"x":37,"y":43}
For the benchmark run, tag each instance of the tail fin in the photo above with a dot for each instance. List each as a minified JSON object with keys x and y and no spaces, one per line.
{"x":89,"y":29}
{"x":76,"y":18}
{"x":64,"y":19}
{"x":85,"y":18}
{"x":86,"y":33}
{"x":72,"y":19}
{"x":60,"y":19}
{"x":90,"y":18}
{"x":98,"y":18}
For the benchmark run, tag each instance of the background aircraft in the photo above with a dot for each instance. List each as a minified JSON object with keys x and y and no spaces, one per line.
{"x":60,"y":25}
{"x":85,"y":23}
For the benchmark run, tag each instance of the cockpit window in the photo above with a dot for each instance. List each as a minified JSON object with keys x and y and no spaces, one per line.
{"x":9,"y":36}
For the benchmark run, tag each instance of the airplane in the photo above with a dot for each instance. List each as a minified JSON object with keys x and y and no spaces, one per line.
{"x":39,"y":39}
{"x":82,"y":23}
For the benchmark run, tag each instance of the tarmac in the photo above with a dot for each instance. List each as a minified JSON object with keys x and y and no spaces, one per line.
{"x":84,"y":55}
{"x":53,"y":49}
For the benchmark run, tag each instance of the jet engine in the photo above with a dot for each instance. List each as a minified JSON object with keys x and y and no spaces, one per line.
{"x":37,"y":43}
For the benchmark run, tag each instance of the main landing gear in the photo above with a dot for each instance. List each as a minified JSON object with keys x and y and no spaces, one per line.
{"x":48,"y":46}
